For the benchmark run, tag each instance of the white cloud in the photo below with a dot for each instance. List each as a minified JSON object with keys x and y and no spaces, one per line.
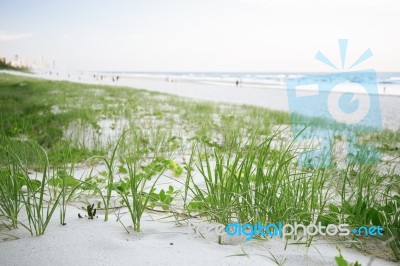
{"x":6,"y":36}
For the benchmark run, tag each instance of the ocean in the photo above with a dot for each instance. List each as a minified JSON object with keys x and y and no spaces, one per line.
{"x":387,"y":82}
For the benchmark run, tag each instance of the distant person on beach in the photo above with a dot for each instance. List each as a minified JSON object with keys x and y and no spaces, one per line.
{"x":237,"y":83}
{"x":117,"y":78}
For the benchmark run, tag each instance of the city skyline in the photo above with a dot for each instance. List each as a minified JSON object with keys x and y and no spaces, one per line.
{"x":222,"y":35}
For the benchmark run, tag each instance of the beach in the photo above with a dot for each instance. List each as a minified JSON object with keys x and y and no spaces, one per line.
{"x":243,"y":132}
{"x":166,"y":237}
{"x":267,"y":95}
{"x":86,"y":242}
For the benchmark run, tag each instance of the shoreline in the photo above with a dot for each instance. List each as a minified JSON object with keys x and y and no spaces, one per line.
{"x":272,"y":98}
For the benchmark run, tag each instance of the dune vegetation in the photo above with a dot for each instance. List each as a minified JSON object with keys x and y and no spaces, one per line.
{"x":220,"y":162}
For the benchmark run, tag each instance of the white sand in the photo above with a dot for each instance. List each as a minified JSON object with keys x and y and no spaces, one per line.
{"x":162,"y":242}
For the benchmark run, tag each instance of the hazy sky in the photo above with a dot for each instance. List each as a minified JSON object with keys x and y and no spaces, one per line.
{"x":202,"y":35}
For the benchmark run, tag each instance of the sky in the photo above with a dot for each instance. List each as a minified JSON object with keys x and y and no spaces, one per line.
{"x":202,"y":35}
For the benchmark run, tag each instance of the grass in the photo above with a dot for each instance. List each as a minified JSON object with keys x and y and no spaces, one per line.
{"x":10,"y":193}
{"x":133,"y":192}
{"x":110,"y":176}
{"x":232,"y":163}
{"x":255,"y":184}
{"x":340,"y":260}
{"x":30,"y":192}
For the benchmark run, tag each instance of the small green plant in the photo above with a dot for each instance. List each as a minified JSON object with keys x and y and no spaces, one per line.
{"x":342,"y":262}
{"x":133,"y":191}
{"x":67,"y":185}
{"x":174,"y":167}
{"x":162,"y":198}
{"x":110,"y":175}
{"x":38,"y":209}
{"x":91,"y":211}
{"x":159,"y":163}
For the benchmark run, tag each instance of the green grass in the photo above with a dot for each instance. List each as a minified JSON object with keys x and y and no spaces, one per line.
{"x":255,"y":183}
{"x":133,"y":191}
{"x":10,"y":192}
{"x":29,"y":192}
{"x":234,"y":166}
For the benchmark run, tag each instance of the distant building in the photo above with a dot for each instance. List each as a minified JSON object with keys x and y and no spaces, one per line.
{"x":16,"y":62}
